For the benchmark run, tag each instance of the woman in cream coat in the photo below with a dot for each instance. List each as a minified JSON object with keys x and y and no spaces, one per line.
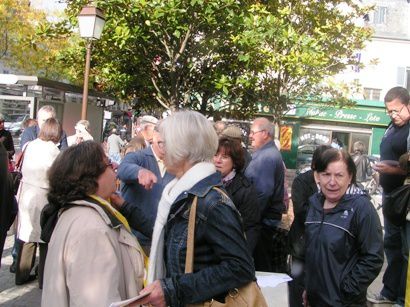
{"x":32,"y":197}
{"x":93,"y":259}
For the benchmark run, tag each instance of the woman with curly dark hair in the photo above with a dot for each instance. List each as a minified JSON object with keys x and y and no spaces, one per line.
{"x":93,"y":259}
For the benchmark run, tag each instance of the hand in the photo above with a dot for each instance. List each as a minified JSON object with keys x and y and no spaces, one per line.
{"x":146,"y":178}
{"x":2,"y":139}
{"x":156,"y":297}
{"x":116,"y":201}
{"x":385,"y":168}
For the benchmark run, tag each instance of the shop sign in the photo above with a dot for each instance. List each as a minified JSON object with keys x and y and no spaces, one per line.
{"x":370,"y":116}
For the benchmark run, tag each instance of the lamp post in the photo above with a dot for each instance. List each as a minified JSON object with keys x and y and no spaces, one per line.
{"x":91,"y":22}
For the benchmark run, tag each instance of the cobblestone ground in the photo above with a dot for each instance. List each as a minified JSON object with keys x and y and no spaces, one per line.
{"x":28,"y":295}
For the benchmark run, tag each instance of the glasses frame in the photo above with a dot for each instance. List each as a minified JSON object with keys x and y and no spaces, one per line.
{"x":394,"y":112}
{"x":255,"y":132}
{"x":161,"y":144}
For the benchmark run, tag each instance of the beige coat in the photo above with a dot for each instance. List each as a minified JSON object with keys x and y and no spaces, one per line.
{"x":32,"y":193}
{"x":90,"y":263}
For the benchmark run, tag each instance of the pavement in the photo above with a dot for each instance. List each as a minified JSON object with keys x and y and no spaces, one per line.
{"x":29,"y":295}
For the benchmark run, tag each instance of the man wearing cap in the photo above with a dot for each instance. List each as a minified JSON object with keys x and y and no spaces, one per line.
{"x":147,"y":125}
{"x":143,"y":177}
{"x":267,"y":174}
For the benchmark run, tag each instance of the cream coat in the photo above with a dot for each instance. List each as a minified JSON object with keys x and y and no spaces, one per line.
{"x":32,"y":194}
{"x":90,"y":263}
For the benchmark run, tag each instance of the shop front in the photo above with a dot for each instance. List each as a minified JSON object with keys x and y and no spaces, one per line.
{"x":305,"y":127}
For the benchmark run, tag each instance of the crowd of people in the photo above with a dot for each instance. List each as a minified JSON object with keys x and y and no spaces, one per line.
{"x":102,"y":242}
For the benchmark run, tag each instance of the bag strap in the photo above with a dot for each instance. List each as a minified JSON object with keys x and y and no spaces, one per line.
{"x":189,"y":259}
{"x":20,"y":159}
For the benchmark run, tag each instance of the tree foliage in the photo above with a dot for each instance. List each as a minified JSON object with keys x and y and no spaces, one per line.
{"x":20,"y":47}
{"x":202,"y":54}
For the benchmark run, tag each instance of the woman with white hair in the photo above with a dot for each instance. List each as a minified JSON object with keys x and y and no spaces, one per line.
{"x":221,"y":259}
{"x":82,"y":133}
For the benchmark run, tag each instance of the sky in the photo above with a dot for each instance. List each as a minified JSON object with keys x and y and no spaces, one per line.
{"x":48,"y":5}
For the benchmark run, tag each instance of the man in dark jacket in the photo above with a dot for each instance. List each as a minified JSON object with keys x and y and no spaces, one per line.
{"x":267,"y":174}
{"x":394,"y":144}
{"x":143,"y":177}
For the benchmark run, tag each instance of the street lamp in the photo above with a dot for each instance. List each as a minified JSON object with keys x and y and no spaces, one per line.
{"x":91,"y":22}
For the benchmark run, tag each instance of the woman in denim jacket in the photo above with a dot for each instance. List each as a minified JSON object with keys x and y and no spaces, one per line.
{"x":221,"y":260}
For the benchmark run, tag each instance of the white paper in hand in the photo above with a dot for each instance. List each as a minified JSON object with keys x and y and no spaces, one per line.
{"x":129,"y":301}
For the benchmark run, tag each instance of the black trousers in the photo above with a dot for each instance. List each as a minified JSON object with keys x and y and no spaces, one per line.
{"x":271,"y":251}
{"x":26,"y":257}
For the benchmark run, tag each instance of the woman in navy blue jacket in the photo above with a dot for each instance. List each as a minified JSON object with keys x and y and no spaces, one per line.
{"x":344,"y":244}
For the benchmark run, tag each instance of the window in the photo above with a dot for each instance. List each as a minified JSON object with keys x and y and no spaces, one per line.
{"x":371,"y":93}
{"x":380,"y":14}
{"x":408,"y":78}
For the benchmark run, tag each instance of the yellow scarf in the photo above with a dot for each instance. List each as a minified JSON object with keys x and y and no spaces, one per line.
{"x":112,"y":210}
{"x":123,"y":221}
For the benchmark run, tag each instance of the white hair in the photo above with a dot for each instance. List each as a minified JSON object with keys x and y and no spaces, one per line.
{"x":264,"y":124}
{"x":188,"y":136}
{"x":47,"y":109}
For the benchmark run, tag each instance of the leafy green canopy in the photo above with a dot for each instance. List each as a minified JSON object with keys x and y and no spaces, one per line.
{"x":201,"y":54}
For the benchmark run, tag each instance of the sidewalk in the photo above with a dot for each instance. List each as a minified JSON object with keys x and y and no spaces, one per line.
{"x":29,"y":295}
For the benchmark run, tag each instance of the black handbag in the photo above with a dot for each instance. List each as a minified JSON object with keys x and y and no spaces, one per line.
{"x":395,"y":205}
{"x":17,"y":174}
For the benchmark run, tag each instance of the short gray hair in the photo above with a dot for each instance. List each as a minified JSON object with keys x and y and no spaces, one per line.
{"x":48,"y":109}
{"x":2,"y":117}
{"x":188,"y":136}
{"x":265,"y":124}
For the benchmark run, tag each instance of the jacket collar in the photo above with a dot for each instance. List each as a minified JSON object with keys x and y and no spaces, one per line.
{"x":202,"y":188}
{"x":269,"y":144}
{"x":108,"y":218}
{"x":318,"y":199}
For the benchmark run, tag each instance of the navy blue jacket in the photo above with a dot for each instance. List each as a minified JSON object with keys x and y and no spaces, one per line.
{"x":221,"y":259}
{"x":31,"y":133}
{"x":344,"y":251}
{"x":136,"y":195}
{"x":267,"y":173}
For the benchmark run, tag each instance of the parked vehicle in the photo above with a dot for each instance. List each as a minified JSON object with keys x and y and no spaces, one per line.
{"x":14,"y":123}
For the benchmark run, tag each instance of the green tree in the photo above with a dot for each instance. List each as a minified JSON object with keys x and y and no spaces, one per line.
{"x":20,"y":48}
{"x":293,"y":47}
{"x":201,"y":53}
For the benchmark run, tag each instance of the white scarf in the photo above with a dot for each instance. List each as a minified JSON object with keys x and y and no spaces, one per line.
{"x":156,"y":266}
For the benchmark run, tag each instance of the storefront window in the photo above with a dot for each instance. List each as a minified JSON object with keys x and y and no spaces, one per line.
{"x":309,"y":140}
{"x":364,"y":138}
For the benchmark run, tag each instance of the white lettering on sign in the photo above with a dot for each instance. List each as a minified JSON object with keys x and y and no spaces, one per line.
{"x":341,"y":115}
{"x":371,"y":117}
{"x":315,"y":112}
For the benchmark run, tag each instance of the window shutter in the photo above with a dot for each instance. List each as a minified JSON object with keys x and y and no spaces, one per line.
{"x":401,"y":76}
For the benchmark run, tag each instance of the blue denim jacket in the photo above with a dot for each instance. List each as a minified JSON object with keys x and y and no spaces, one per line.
{"x":221,"y":258}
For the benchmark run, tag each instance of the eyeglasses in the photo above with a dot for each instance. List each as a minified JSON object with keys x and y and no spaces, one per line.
{"x":161,"y":144}
{"x":109,"y":164}
{"x":255,"y":132}
{"x":394,"y":112}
